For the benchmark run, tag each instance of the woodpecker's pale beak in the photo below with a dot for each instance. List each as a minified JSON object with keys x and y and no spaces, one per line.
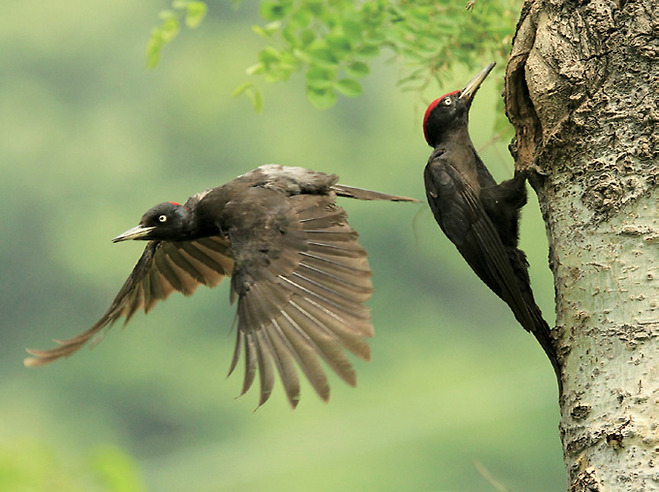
{"x":467,"y":94}
{"x":138,"y":232}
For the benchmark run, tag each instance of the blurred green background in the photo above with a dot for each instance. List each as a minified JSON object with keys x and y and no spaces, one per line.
{"x":457,"y":396}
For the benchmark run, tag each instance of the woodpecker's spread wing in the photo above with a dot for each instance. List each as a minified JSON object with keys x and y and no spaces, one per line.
{"x":301,"y":280}
{"x":461,"y":215}
{"x":163,"y":268}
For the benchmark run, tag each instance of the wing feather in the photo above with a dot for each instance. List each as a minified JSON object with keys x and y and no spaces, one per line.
{"x":162,"y":269}
{"x":307,"y":298}
{"x":305,"y":354}
{"x":179,"y":259}
{"x":464,"y":220}
{"x":250,"y":361}
{"x":284,"y":357}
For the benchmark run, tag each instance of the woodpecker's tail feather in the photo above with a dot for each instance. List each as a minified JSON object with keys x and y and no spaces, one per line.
{"x":542,"y":333}
{"x":362,"y":194}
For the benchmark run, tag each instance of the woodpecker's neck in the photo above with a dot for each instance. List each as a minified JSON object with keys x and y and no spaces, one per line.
{"x":451,"y":138}
{"x":457,"y":150}
{"x":198,"y":225}
{"x":440,"y":127}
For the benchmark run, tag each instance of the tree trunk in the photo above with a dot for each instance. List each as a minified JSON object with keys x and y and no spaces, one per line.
{"x":581,"y":91}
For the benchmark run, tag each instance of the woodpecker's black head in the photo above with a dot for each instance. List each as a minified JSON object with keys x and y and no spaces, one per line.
{"x":165,"y":221}
{"x":451,"y":111}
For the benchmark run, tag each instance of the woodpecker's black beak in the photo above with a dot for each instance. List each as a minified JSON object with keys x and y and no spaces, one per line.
{"x":467,"y":94}
{"x":138,"y":232}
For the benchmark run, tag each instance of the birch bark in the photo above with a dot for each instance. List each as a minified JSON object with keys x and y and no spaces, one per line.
{"x":582,"y":90}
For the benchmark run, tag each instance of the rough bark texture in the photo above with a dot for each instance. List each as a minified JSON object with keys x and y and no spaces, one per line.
{"x":582,"y":90}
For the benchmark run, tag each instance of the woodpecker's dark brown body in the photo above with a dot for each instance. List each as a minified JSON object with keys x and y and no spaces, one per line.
{"x":297,"y":271}
{"x":478,"y":215}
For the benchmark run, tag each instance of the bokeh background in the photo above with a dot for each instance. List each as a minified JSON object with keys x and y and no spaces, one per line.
{"x":457,"y":396}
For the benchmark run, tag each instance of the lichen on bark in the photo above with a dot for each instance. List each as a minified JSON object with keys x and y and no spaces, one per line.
{"x":581,"y":91}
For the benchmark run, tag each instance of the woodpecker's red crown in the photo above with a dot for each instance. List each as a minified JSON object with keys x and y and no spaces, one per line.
{"x":430,"y":109}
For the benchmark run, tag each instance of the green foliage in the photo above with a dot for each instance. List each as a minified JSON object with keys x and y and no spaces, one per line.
{"x":191,"y":12}
{"x":33,"y":467}
{"x":252,"y":92}
{"x":333,"y":42}
{"x":115,"y":470}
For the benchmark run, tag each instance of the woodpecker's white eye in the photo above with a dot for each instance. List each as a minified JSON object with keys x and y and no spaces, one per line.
{"x":162,"y":218}
{"x":447,"y":101}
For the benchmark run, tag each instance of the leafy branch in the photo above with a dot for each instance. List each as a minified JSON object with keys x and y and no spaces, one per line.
{"x":191,"y":12}
{"x":332,"y":42}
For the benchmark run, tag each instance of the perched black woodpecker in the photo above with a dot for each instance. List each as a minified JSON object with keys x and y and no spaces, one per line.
{"x":479,"y":216}
{"x":298,"y":274}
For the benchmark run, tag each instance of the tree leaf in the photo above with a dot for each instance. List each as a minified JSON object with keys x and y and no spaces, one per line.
{"x":321,"y":78}
{"x":367,"y":51}
{"x":272,"y":11}
{"x":300,"y":19}
{"x":255,"y":69}
{"x":307,"y":36}
{"x":321,"y":99}
{"x":353,"y":31}
{"x":349,"y":87}
{"x":195,"y":13}
{"x":269,"y":56}
{"x":153,"y":48}
{"x":357,"y":69}
{"x":255,"y":96}
{"x":169,"y":29}
{"x":321,"y":54}
{"x":338,"y":44}
{"x":241,"y":89}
